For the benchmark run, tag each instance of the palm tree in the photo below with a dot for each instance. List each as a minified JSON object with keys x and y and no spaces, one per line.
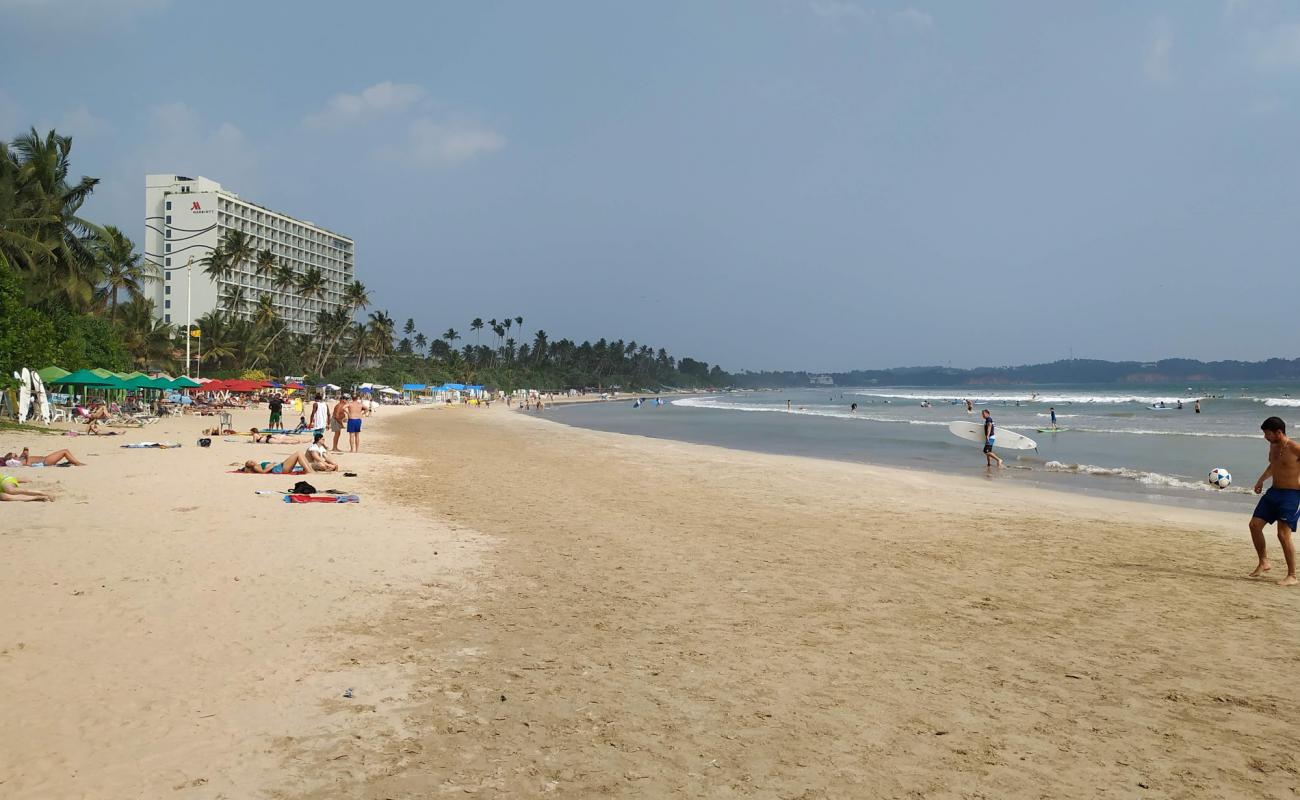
{"x":232,"y":299}
{"x":409,"y":328}
{"x":216,"y":264}
{"x":451,"y":336}
{"x":420,"y":342}
{"x":147,"y":338}
{"x":539,"y":345}
{"x":476,"y":326}
{"x":40,"y":231}
{"x":520,"y":322}
{"x":123,"y":269}
{"x":265,"y":266}
{"x":355,"y":298}
{"x":239,"y":251}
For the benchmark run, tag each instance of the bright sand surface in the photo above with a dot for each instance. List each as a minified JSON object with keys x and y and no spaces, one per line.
{"x":525,"y":608}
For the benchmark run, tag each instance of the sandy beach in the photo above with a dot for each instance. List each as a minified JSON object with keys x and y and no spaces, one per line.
{"x":522,"y":608}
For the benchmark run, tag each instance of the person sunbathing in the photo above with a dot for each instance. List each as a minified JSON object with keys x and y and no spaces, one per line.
{"x":283,"y":468}
{"x":273,"y":438}
{"x":11,"y":492}
{"x":25,"y":459}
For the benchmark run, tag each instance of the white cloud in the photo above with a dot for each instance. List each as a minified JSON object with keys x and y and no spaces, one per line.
{"x":180,"y":141}
{"x":445,"y":142}
{"x":840,"y":10}
{"x":1279,"y":48}
{"x":914,"y":17}
{"x":1156,"y":62}
{"x":382,"y":98}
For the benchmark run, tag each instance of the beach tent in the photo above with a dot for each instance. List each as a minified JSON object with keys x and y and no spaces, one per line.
{"x":414,"y":387}
{"x":50,"y":374}
{"x":185,"y":383}
{"x":100,"y":372}
{"x":388,"y":390}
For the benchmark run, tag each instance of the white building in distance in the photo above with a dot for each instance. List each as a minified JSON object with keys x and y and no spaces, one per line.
{"x":185,"y":218}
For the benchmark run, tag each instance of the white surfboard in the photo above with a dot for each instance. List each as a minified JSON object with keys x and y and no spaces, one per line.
{"x":1004,"y":439}
{"x":42,"y":399}
{"x":24,"y":394}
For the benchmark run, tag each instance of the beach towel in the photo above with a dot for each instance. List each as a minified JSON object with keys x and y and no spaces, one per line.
{"x":322,"y":498}
{"x":148,"y":445}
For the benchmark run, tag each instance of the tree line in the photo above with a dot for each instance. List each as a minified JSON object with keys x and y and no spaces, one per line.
{"x":74,"y":293}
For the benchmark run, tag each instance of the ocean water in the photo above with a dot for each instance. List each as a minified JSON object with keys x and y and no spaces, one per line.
{"x":1117,"y":441}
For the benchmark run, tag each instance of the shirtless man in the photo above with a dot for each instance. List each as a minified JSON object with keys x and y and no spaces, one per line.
{"x":355,"y":411}
{"x":1281,"y":503}
{"x":338,"y":417}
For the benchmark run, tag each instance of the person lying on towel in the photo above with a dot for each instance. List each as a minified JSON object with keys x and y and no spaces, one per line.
{"x":274,"y":438}
{"x":25,"y":459}
{"x":294,"y":463}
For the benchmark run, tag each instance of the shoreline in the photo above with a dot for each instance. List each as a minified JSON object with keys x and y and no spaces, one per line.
{"x":1099,"y":482}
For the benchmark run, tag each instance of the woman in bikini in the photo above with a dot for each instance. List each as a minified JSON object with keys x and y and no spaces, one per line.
{"x":11,"y":492}
{"x":24,"y":459}
{"x":272,"y":438}
{"x":283,"y":468}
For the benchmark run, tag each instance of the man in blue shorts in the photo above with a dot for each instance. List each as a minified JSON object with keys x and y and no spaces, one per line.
{"x":1281,"y":503}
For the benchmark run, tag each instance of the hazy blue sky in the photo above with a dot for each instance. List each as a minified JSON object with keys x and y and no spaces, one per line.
{"x":802,"y":183}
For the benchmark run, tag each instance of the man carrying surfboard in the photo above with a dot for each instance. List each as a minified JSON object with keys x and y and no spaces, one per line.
{"x":990,"y":434}
{"x":1281,"y":503}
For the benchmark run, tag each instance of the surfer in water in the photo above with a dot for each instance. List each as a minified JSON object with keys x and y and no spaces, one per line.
{"x":1281,"y":503}
{"x":990,"y":434}
{"x":969,"y":406}
{"x":1053,"y":413}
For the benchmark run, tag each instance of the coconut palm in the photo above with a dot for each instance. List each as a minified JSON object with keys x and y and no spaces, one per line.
{"x":421,"y":342}
{"x":239,"y":251}
{"x":355,"y":298}
{"x":232,"y":299}
{"x":122,"y":268}
{"x":45,"y":239}
{"x":451,"y":335}
{"x":409,"y":328}
{"x":476,"y":326}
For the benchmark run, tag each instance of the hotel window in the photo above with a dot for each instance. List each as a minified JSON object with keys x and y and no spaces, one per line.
{"x":167,"y":290}
{"x":167,"y":262}
{"x":169,"y":275}
{"x":167,"y":304}
{"x":167,"y":317}
{"x":169,"y":219}
{"x":169,"y":248}
{"x":169,"y":205}
{"x":169,"y":233}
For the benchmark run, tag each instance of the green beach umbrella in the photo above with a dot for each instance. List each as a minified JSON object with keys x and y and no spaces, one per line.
{"x":160,"y":383}
{"x":82,"y":377}
{"x":185,"y":383}
{"x":49,"y":374}
{"x":100,"y":371}
{"x":139,"y":382}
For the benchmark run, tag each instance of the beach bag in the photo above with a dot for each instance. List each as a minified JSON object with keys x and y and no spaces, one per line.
{"x":205,"y":442}
{"x":303,"y":487}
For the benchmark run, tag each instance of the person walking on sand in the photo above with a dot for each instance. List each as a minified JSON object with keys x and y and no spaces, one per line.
{"x":990,"y":435}
{"x":355,"y":411}
{"x":1281,"y":503}
{"x":339,"y":418}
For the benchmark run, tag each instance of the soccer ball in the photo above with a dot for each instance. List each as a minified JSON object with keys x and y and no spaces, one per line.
{"x":1220,"y":477}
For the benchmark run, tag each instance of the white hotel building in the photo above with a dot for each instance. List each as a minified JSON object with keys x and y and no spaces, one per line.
{"x":185,"y":218}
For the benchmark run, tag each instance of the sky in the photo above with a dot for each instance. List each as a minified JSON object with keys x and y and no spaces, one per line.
{"x":761,"y":184}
